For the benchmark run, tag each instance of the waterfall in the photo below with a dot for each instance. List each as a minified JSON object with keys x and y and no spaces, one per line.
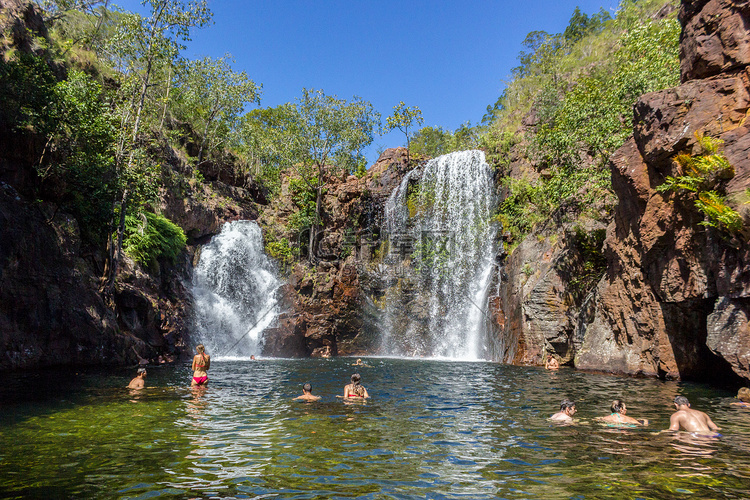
{"x":234,"y":289}
{"x":440,"y":258}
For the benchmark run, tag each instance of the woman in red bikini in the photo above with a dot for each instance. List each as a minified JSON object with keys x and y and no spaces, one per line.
{"x":201,"y":364}
{"x":355,"y":390}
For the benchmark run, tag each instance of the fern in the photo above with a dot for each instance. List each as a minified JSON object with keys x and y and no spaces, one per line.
{"x":152,"y":237}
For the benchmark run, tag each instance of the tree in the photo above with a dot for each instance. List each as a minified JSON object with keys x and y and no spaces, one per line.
{"x":403,"y":118}
{"x":431,"y":141}
{"x":213,"y":95}
{"x":141,"y":44}
{"x":321,"y":136}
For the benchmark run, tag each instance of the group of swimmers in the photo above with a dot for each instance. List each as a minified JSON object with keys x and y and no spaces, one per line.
{"x":200,"y":366}
{"x":353,"y":391}
{"x":684,"y":417}
{"x":202,"y":362}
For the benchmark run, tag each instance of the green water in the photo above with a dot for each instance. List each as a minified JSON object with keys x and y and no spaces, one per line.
{"x":431,"y":430}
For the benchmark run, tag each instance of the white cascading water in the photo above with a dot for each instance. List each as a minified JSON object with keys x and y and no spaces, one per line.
{"x":234,"y":289}
{"x":441,"y":255}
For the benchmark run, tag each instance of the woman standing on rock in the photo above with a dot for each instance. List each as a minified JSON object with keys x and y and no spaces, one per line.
{"x":201,"y":364}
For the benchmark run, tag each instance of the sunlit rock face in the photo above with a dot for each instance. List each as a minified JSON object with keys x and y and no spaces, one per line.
{"x":673,"y":302}
{"x":441,"y":247}
{"x":714,"y":38}
{"x":331,"y":308}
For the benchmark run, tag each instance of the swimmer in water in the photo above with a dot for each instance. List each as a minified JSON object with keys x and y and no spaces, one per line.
{"x":359,"y":363}
{"x":552,"y":363}
{"x":689,"y":419}
{"x":355,"y":390}
{"x":567,"y":410}
{"x":307,"y":394}
{"x":619,"y":417}
{"x":139,"y":382}
{"x":744,"y":396}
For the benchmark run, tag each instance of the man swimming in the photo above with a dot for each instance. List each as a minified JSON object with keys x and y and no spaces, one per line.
{"x":139,"y":382}
{"x":307,"y":394}
{"x":567,"y":410}
{"x":689,"y":419}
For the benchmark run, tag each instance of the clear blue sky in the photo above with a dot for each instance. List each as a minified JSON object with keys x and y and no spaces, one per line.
{"x":449,"y":58}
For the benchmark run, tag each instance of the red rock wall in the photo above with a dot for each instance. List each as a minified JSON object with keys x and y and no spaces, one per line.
{"x":674,"y":302}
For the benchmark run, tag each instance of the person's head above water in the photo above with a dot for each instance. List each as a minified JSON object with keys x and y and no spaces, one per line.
{"x":141,"y":371}
{"x":306,"y":388}
{"x":681,"y":401}
{"x":356,"y":378}
{"x":618,"y":406}
{"x":200,"y":349}
{"x":744,"y":394}
{"x":567,"y":404}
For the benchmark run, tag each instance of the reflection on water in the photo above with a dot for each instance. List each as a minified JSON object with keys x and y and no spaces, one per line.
{"x":431,"y":430}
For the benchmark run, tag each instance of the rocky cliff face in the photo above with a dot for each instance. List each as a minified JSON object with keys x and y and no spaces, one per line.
{"x":329,"y":308}
{"x":51,"y":312}
{"x":674,"y":300}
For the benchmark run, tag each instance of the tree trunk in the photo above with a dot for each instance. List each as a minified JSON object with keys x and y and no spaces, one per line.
{"x":166,"y":98}
{"x":115,"y":250}
{"x":311,"y":255}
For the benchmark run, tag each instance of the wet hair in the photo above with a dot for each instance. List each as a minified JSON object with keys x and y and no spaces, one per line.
{"x":617,"y":405}
{"x":357,"y":388}
{"x":744,"y":394}
{"x":141,"y":370}
{"x":681,"y":400}
{"x":200,"y":348}
{"x":307,"y":388}
{"x":567,"y":403}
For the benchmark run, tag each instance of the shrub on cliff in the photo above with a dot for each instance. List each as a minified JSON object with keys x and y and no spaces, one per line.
{"x":583,"y":89}
{"x":152,"y":237}
{"x":700,"y":181}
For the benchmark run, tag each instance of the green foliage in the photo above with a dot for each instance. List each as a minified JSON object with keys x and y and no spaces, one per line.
{"x":431,"y":254}
{"x":594,"y":118}
{"x":27,"y":87}
{"x":431,"y":141}
{"x":404,"y":118}
{"x":152,"y":237}
{"x":593,"y":261}
{"x":419,"y":199}
{"x":211,"y":96}
{"x":719,"y":214}
{"x":435,"y":141}
{"x":583,"y":84}
{"x":529,"y":203}
{"x":280,"y":250}
{"x":81,"y":152}
{"x":76,"y":166}
{"x":701,"y":174}
{"x":527,"y":270}
{"x":303,"y":198}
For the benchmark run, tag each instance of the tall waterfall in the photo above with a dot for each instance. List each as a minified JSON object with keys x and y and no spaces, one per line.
{"x":440,"y":259}
{"x":234,"y":289}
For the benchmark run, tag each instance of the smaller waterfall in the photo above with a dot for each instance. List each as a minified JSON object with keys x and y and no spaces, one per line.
{"x":234,"y":289}
{"x":441,"y":257}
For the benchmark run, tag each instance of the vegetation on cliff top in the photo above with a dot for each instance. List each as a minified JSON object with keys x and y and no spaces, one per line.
{"x":575,"y":92}
{"x":108,"y":91}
